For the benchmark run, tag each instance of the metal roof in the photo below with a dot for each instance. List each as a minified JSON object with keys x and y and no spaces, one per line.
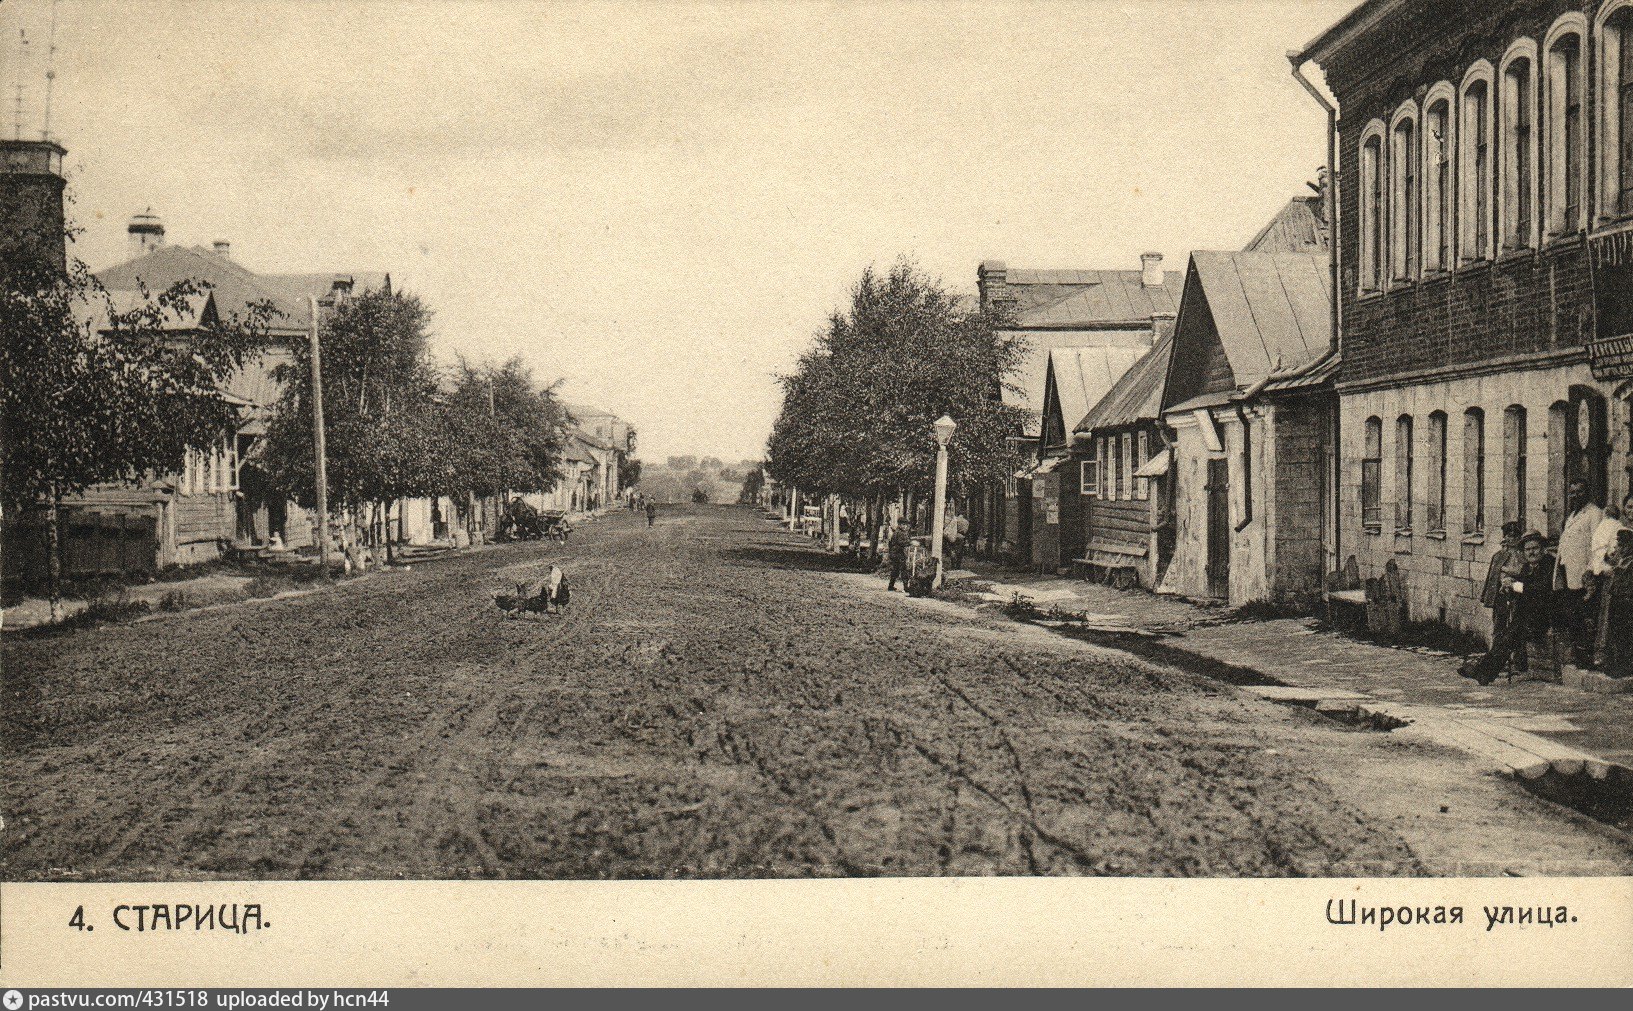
{"x":1034,"y":368}
{"x":1272,"y":311}
{"x":1296,"y":228}
{"x":1071,"y":298}
{"x":1084,"y":376}
{"x":1137,"y":396}
{"x":234,"y":287}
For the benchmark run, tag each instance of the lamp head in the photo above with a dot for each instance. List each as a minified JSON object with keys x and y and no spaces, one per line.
{"x":944,"y":428}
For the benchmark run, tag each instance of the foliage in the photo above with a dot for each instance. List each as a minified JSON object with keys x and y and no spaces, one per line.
{"x":753,"y":484}
{"x":857,"y":411}
{"x":699,"y":496}
{"x":93,"y":391}
{"x":629,"y":471}
{"x":503,"y":431}
{"x":384,"y":436}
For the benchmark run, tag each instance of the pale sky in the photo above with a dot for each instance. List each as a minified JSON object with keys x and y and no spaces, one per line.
{"x":660,"y":203}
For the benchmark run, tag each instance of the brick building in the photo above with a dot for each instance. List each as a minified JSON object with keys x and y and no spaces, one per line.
{"x":1485,"y":153}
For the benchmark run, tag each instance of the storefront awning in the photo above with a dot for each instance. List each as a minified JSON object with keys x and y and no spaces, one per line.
{"x":1157,"y":466}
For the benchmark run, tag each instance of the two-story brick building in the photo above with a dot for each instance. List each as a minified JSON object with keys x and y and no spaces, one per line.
{"x":1485,"y":152}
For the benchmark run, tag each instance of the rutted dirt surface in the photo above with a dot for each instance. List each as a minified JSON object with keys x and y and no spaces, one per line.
{"x":714,"y":704}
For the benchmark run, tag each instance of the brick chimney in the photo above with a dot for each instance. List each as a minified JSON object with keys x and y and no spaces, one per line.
{"x":222,"y":248}
{"x":1151,"y":270}
{"x":31,"y":216}
{"x":991,"y":282}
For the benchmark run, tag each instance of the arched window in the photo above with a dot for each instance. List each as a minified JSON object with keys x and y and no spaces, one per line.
{"x":1372,"y":464}
{"x":1439,"y":129}
{"x":1518,"y":116}
{"x":1403,"y":473}
{"x":1474,"y":173}
{"x":1437,"y":472}
{"x":1514,"y":467}
{"x":1404,"y":194}
{"x":1616,"y":109}
{"x":1474,"y":470}
{"x":1564,"y":139}
{"x":1372,"y":208}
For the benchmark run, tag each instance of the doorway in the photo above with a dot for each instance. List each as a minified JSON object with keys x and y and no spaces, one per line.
{"x":1218,"y":489}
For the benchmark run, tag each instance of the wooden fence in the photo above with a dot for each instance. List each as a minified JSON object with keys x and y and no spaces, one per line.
{"x":91,"y":545}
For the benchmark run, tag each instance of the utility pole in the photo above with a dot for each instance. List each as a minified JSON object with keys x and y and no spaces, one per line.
{"x":319,"y":460}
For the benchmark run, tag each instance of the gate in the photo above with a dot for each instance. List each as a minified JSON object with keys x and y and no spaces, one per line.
{"x":1218,"y":489}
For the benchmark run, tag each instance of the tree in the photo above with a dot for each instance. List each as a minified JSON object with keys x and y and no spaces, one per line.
{"x":629,"y":471}
{"x":857,"y":411}
{"x":753,"y":485}
{"x":91,"y":393}
{"x":505,"y":433}
{"x":386,"y":436}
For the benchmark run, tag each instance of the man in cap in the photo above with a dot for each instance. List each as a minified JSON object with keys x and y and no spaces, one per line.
{"x":1505,"y":567}
{"x":1530,"y":593}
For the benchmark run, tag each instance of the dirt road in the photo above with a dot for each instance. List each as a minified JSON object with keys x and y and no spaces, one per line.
{"x":714,"y":704}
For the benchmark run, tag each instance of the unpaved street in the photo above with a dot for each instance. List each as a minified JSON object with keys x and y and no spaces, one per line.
{"x":716,"y":704}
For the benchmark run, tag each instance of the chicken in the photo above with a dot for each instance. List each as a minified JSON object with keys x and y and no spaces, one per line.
{"x":546,"y":597}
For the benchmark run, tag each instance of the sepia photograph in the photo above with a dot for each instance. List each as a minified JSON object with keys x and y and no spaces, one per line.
{"x":622,"y":442}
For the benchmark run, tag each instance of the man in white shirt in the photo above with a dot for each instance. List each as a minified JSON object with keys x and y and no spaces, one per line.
{"x":1574,"y":576}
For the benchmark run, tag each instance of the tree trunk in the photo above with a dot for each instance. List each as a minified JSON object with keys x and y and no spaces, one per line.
{"x":53,"y":551}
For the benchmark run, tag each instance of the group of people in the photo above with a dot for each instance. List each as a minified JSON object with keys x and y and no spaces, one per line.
{"x":638,"y":502}
{"x":898,"y":537}
{"x":1580,"y":596}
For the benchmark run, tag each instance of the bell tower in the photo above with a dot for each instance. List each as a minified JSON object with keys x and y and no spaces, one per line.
{"x":31,"y":215}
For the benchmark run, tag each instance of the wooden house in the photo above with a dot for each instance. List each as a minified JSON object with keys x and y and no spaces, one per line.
{"x":1249,"y":397}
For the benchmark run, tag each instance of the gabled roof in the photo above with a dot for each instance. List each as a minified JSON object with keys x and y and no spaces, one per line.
{"x":1137,"y":396}
{"x":1065,"y":299}
{"x":191,"y":313}
{"x":1041,"y":344}
{"x":1272,"y":311}
{"x":1083,"y":376}
{"x":1296,"y":228}
{"x":234,"y":287}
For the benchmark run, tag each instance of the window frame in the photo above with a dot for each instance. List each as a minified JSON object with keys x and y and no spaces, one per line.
{"x":1613,"y":26}
{"x":1474,"y":471}
{"x":1516,"y":466}
{"x":1373,"y":259}
{"x":1089,"y":486}
{"x":1439,"y":216}
{"x":1405,"y":465}
{"x":1405,"y":196}
{"x":1437,"y":470}
{"x":1517,"y":146}
{"x":1476,"y":195}
{"x":1558,"y":173}
{"x":1372,"y":469}
{"x":1142,"y":456}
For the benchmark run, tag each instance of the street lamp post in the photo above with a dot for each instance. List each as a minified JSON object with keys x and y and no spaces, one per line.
{"x":944,"y":428}
{"x":319,"y":452}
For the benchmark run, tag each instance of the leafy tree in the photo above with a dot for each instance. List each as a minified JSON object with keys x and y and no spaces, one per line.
{"x":94,"y":391}
{"x":699,"y":496}
{"x":386,"y":436}
{"x":629,"y":471}
{"x":682,"y":462}
{"x":505,"y":433}
{"x":857,"y":411}
{"x":753,"y":485}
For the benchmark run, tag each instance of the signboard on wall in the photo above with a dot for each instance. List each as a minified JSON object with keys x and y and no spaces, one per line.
{"x":1610,"y":346}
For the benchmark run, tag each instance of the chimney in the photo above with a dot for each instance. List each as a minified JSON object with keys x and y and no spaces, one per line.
{"x":223,"y":248}
{"x":1151,"y":270}
{"x":146,"y":233}
{"x":992,"y":284}
{"x":31,"y":218}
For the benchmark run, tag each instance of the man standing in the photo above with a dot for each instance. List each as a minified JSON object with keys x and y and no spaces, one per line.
{"x":1504,"y":568}
{"x":1530,"y":593}
{"x":1605,"y":536}
{"x":651,"y":512}
{"x":897,"y":550}
{"x":1574,"y":578}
